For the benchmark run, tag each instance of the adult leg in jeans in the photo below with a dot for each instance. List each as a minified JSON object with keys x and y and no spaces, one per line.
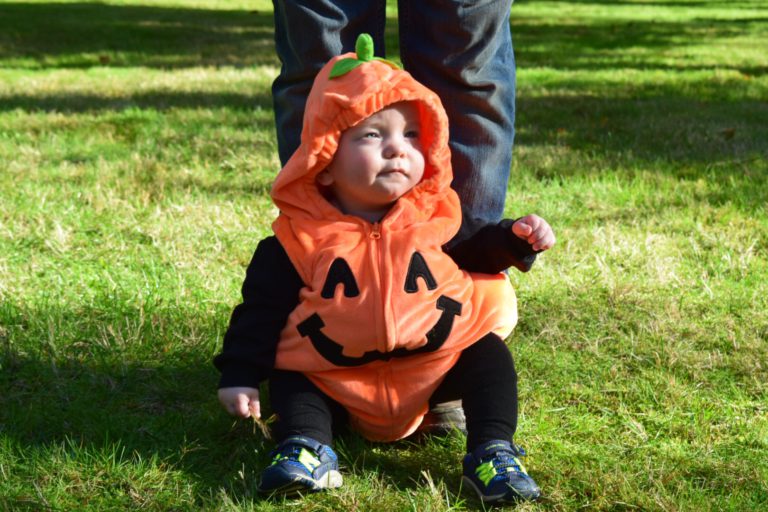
{"x":308,"y":33}
{"x":463,"y":52}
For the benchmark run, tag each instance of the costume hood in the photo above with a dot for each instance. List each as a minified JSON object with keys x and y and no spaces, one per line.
{"x":342,"y":97}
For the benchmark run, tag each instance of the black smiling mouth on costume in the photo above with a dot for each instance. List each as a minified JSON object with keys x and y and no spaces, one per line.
{"x":334,"y":352}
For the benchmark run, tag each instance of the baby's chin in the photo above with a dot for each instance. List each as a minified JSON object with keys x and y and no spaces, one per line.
{"x":388,"y":200}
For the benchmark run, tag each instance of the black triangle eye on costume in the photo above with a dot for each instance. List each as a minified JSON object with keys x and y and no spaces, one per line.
{"x":340,"y":273}
{"x":418,"y":268}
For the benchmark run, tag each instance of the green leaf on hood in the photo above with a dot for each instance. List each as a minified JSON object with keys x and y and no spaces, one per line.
{"x":343,"y":67}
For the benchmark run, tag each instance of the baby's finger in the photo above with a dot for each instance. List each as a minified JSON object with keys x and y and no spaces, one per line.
{"x":522,"y":230}
{"x":546,"y":241}
{"x":254,"y":407}
{"x":241,"y":406}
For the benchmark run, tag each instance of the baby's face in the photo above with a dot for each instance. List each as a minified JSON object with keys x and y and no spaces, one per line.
{"x":377,"y":161}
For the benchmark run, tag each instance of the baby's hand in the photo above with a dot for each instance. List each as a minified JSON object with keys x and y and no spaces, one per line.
{"x":536,"y":231}
{"x":242,"y":402}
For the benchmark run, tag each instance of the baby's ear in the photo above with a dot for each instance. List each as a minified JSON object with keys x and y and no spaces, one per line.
{"x":324,"y":178}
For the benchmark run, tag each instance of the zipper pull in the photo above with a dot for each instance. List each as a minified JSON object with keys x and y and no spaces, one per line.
{"x":375,"y":231}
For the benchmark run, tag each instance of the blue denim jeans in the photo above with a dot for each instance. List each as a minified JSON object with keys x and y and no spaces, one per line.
{"x":462,"y":50}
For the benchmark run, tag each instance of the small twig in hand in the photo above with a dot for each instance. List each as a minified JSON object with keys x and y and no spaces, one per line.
{"x":263,"y":425}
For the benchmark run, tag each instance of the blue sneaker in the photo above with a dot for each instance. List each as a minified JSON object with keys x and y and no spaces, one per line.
{"x":300,"y":464}
{"x":496,"y":474}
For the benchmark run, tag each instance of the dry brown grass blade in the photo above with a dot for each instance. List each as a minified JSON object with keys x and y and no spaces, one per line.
{"x":261,"y":424}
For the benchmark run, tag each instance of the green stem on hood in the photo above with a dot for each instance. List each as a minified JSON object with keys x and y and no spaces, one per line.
{"x":364,"y":51}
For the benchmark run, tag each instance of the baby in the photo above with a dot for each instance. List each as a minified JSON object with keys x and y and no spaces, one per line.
{"x":376,"y":297}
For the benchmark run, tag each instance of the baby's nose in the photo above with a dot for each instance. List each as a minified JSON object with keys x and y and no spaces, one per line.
{"x":395,"y":147}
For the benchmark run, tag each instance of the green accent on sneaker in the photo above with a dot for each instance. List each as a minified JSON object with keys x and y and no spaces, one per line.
{"x":300,"y":464}
{"x":308,"y":459}
{"x":493,"y":470}
{"x":305,"y":457}
{"x":485,"y":472}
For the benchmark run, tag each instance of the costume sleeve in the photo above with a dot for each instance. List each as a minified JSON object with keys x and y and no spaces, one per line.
{"x":489,"y":248}
{"x":270,"y":292}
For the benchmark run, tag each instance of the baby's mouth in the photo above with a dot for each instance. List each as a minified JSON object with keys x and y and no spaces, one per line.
{"x":389,"y":172}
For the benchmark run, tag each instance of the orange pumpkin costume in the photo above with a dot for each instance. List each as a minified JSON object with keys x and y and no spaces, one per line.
{"x":384,"y":313}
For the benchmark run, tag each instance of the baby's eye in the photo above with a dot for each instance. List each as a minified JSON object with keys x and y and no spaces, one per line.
{"x":370,"y":135}
{"x":412,"y":134}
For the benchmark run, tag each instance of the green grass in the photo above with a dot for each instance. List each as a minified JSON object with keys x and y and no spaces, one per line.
{"x":136,"y":154}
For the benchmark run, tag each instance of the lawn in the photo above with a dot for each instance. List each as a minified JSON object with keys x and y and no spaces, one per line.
{"x":137,"y":149}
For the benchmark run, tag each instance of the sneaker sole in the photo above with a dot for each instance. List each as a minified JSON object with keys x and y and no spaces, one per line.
{"x":499,"y":498}
{"x":331,"y":480}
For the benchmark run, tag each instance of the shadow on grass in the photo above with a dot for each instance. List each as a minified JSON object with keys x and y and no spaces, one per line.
{"x":74,"y":103}
{"x":721,"y":143}
{"x":628,"y":44}
{"x":112,"y":383}
{"x":686,"y":3}
{"x":646,"y":129}
{"x":677,"y":133}
{"x":109,"y":388}
{"x":707,"y":122}
{"x":75,"y":35}
{"x":82,"y":35}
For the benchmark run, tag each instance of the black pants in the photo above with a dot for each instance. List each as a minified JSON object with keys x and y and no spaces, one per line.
{"x":483,"y":378}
